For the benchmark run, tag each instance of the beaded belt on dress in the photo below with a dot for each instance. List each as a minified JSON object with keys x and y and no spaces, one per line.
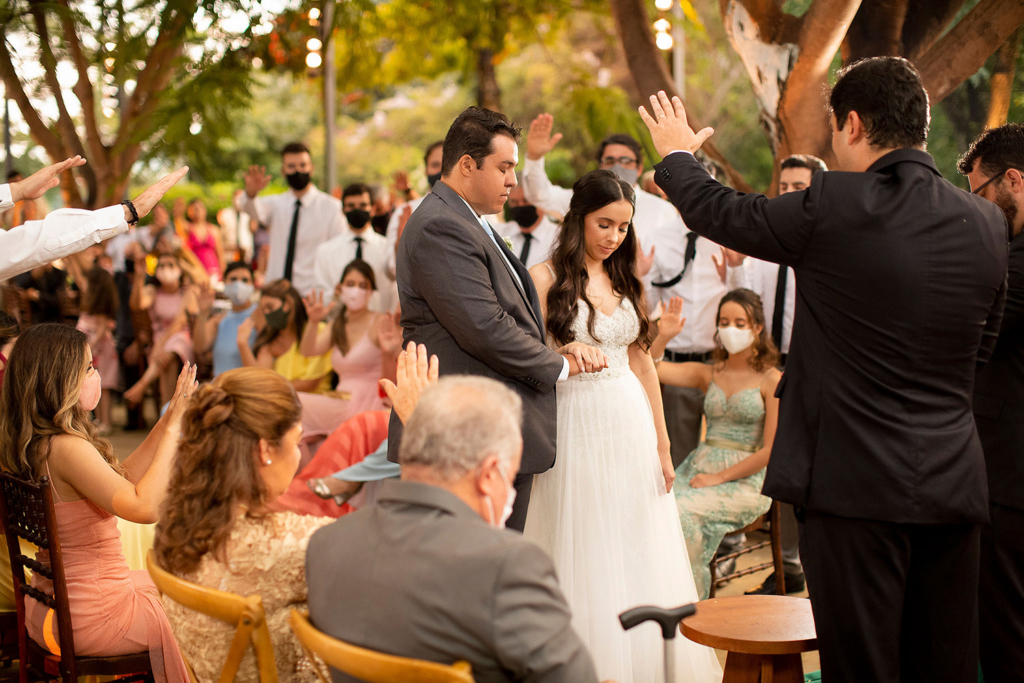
{"x":729,"y":445}
{"x":607,"y":373}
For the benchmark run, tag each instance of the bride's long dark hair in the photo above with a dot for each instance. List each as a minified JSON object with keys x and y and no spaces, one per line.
{"x":593,"y":191}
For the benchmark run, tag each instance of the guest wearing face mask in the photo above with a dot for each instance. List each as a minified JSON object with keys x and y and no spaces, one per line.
{"x":298,"y":221}
{"x":530,"y":231}
{"x":358,"y":242}
{"x":718,"y":485}
{"x":279,"y":319}
{"x":432,"y":167}
{"x":220,"y":330}
{"x":383,"y":205}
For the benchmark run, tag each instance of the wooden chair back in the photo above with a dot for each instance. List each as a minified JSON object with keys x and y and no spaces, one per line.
{"x":26,"y":511}
{"x":371,"y":666}
{"x":773,"y":517}
{"x":245,"y":614}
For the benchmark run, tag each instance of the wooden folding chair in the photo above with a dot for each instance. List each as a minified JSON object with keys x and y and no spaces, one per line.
{"x":774,"y":540}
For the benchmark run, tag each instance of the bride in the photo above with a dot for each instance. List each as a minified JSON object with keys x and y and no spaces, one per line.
{"x":605,"y":512}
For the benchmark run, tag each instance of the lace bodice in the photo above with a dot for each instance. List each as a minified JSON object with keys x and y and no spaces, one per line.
{"x":739,"y":418}
{"x":615,"y":332}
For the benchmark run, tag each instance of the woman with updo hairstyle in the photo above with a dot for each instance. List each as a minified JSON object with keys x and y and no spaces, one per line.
{"x":238,"y":453}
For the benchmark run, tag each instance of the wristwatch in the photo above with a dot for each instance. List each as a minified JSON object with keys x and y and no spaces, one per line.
{"x":135,"y":214}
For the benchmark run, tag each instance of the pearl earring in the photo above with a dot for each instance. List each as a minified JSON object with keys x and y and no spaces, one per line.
{"x":268,"y":462}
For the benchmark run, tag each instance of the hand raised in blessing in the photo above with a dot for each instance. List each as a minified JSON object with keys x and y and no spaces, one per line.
{"x":414,"y":374}
{"x":669,"y":130}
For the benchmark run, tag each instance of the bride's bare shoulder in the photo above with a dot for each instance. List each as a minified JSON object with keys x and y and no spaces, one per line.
{"x":543,"y":276}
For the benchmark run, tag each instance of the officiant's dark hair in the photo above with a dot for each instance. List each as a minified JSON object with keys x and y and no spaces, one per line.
{"x":473,"y":133}
{"x":888,"y":95}
{"x":592,"y":192}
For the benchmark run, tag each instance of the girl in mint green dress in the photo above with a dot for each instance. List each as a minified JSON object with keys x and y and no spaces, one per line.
{"x":718,"y":485}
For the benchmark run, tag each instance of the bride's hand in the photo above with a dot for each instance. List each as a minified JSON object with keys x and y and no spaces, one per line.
{"x":667,"y":471}
{"x":588,"y":358}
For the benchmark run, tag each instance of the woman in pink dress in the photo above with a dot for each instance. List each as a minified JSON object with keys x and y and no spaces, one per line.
{"x":204,"y":240}
{"x":49,"y":388}
{"x":97,"y":320}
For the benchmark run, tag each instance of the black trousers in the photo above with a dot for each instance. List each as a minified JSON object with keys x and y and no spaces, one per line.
{"x":893,"y":603}
{"x":523,"y":485}
{"x":1001,"y":596}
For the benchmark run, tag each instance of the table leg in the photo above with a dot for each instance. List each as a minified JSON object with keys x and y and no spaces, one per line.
{"x":745,"y":668}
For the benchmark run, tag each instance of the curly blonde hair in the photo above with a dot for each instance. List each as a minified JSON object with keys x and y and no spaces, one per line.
{"x":217,"y":469}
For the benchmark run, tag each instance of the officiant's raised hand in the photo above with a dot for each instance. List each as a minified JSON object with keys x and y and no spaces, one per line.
{"x":669,"y":130}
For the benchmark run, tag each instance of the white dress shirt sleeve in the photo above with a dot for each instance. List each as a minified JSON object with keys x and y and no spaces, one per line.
{"x":5,"y":197}
{"x":392,"y":235}
{"x":564,"y":374}
{"x":63,"y":232}
{"x":258,"y":209}
{"x":322,"y":269}
{"x":541,"y":192}
{"x":737,"y":278}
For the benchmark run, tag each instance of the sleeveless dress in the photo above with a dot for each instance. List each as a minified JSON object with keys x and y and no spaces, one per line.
{"x":114,"y":611}
{"x":205,"y":251}
{"x":735,"y":430}
{"x":162,"y":312}
{"x":104,"y":353}
{"x":602,"y":514}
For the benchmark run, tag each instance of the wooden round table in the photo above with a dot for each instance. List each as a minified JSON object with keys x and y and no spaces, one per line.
{"x":763,"y":634}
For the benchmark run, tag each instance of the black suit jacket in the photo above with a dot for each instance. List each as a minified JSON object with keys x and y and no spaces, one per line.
{"x":999,"y":395}
{"x":902,"y":281}
{"x":460,"y":298}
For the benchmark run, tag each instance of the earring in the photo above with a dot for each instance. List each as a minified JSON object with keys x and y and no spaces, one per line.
{"x":268,"y":462}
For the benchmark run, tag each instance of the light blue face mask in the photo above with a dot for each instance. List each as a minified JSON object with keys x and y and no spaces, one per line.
{"x":239,"y":292}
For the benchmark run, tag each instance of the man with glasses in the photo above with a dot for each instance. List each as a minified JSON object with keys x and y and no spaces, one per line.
{"x":683,"y":265}
{"x":994,"y":165}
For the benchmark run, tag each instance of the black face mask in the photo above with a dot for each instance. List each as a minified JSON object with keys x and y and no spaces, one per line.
{"x":525,"y":216}
{"x":297,"y":181}
{"x":357,"y":218}
{"x":433,"y":178}
{"x":380,"y":223}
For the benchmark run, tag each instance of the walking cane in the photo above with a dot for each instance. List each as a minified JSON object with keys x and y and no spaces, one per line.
{"x":669,"y":620}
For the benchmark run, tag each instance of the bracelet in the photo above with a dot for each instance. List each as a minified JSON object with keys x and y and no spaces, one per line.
{"x":135,"y":214}
{"x":659,"y":358}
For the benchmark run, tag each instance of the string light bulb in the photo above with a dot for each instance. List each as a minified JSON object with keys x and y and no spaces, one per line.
{"x":663,"y":41}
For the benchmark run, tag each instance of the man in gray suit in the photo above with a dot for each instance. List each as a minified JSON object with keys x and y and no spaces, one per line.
{"x":428,"y":572}
{"x":466,"y":296}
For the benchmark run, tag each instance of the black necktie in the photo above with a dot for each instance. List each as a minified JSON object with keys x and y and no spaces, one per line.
{"x":691,"y":251}
{"x":359,"y":248}
{"x":292,"y":234}
{"x":525,"y":252}
{"x":780,"y":306}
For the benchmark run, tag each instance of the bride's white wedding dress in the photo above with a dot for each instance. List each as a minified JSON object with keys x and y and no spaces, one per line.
{"x":604,"y":516}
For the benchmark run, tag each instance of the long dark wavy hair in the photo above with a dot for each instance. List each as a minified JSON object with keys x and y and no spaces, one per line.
{"x":763,"y":355}
{"x":338,"y":334}
{"x":593,"y":191}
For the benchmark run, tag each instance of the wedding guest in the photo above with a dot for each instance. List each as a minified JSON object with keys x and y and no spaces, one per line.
{"x":43,"y":287}
{"x":718,"y":486}
{"x":165,"y":300}
{"x":279,"y":319}
{"x":219,"y":331}
{"x":49,"y":388}
{"x":204,"y":240}
{"x":10,"y":330}
{"x":97,"y":319}
{"x":298,"y":221}
{"x":359,"y":242}
{"x":994,"y":165}
{"x":236,"y":229}
{"x":238,"y":453}
{"x":383,"y":205}
{"x":448,"y":583}
{"x":530,"y":231}
{"x":432,"y":157}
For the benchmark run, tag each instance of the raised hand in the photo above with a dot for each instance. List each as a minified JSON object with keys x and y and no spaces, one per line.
{"x":644,"y":262}
{"x":672,"y":320}
{"x":244,"y":331}
{"x":205,"y":297}
{"x":415,"y":372}
{"x":36,"y":185}
{"x":389,"y":333}
{"x":403,"y":218}
{"x":539,"y":140}
{"x":316,"y":309}
{"x":669,"y":130}
{"x":183,"y":390}
{"x":255,"y":180}
{"x":400,"y":181}
{"x":145,"y":202}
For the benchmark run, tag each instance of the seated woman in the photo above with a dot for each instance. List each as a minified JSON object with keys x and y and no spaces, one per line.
{"x":219,"y":331}
{"x":238,"y":453}
{"x":279,"y":319}
{"x":165,"y":300}
{"x":718,"y":485}
{"x":203,"y":240}
{"x":363,"y":346}
{"x":97,"y":319}
{"x":49,"y":388}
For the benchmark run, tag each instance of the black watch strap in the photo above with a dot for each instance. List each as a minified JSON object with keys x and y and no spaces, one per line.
{"x":131,"y":207}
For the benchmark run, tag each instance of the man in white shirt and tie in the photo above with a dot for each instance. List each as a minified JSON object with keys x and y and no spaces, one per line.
{"x":66,"y":231}
{"x":530,"y":231}
{"x":299,"y":220}
{"x":432,"y":164}
{"x":358,"y":241}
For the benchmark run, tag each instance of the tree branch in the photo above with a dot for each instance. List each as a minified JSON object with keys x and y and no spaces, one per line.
{"x":964,"y":49}
{"x":83,"y":89}
{"x":877,"y":29}
{"x":925,"y":22}
{"x":774,"y":24}
{"x":37,"y":127}
{"x":1002,"y":80}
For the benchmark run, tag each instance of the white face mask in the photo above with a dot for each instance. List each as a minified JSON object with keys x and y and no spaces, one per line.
{"x":239,"y":292}
{"x":354,"y":298}
{"x":510,"y":499}
{"x":734,"y":339}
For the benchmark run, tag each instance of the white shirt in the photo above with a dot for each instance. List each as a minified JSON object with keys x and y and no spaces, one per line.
{"x":320,"y":219}
{"x":540,"y":247}
{"x":61,"y":233}
{"x":392,"y":233}
{"x":333,"y":255}
{"x":762,"y":277}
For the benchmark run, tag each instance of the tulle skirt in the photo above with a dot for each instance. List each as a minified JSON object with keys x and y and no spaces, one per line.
{"x":604,"y":516}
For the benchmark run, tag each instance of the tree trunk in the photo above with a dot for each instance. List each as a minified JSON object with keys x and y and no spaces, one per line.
{"x":488,"y":94}
{"x":1002,"y":80}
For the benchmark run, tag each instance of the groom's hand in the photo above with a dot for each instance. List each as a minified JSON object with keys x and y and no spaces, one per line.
{"x":583,"y":358}
{"x":669,"y":130}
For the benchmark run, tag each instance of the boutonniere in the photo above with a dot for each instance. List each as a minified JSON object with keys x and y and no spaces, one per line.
{"x":508,"y":243}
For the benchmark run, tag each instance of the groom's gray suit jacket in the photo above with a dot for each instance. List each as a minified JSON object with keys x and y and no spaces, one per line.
{"x":460,"y":298}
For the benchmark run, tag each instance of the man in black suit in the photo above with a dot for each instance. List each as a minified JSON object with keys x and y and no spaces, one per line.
{"x":466,"y":296}
{"x":995,"y":167}
{"x":902,"y":281}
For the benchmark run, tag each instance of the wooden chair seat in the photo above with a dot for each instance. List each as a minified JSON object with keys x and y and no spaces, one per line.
{"x":763,"y":634}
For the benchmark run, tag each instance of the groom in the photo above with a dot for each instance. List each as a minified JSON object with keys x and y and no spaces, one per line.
{"x":467,"y":297}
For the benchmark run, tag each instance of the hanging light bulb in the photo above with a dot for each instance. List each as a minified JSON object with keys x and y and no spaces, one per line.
{"x":314,"y":13}
{"x":313,"y":60}
{"x":314,"y":44}
{"x":662,"y":25}
{"x":663,"y":5}
{"x":663,"y":41}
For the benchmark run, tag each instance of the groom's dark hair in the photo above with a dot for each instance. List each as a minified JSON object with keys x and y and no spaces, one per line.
{"x":888,"y":95}
{"x":473,"y":133}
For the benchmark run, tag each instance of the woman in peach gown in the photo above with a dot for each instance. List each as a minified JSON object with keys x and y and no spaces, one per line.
{"x":49,"y":388}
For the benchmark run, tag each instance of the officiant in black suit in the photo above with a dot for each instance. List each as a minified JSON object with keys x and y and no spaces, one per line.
{"x":466,"y":296}
{"x":902,"y":282}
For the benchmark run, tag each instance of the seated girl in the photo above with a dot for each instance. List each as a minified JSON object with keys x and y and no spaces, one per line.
{"x":97,"y":319}
{"x":219,"y":331}
{"x":49,"y":388}
{"x":718,"y":485}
